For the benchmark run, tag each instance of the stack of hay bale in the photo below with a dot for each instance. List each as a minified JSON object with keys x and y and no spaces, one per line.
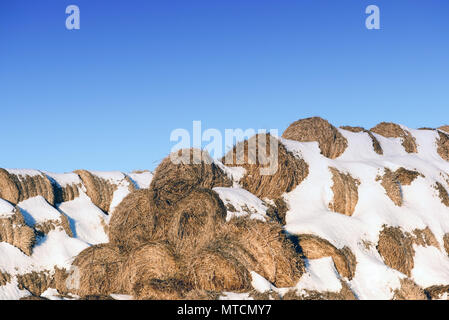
{"x":172,"y":241}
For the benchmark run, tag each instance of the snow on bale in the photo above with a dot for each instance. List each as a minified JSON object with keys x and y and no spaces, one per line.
{"x":442,"y":193}
{"x":376,"y":144}
{"x":392,"y":181}
{"x":250,"y":155}
{"x":268,"y":251}
{"x":14,"y":230}
{"x":190,"y":169}
{"x":444,"y":128}
{"x":331,"y":142}
{"x":20,"y":185}
{"x":133,"y":222}
{"x":437,"y":292}
{"x":314,"y":247}
{"x":396,"y":249}
{"x":99,"y":190}
{"x":345,"y":189}
{"x":98,"y":268}
{"x":35,"y":282}
{"x":393,"y":130}
{"x":151,"y":261}
{"x":409,"y":290}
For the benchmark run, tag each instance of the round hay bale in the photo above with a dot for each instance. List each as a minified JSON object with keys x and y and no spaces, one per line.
{"x":331,"y":142}
{"x":437,"y":292}
{"x":409,"y":290}
{"x":99,"y":269}
{"x":133,"y":221}
{"x":14,"y":230}
{"x":8,"y":188}
{"x":345,"y":189}
{"x":213,"y":269}
{"x":153,"y":260}
{"x":393,"y":130}
{"x":443,"y":145}
{"x":173,"y":181}
{"x":266,"y":250}
{"x":396,"y":249}
{"x":442,"y":193}
{"x":193,"y":221}
{"x":314,"y":247}
{"x":290,"y":172}
{"x":99,"y":190}
{"x":376,"y":144}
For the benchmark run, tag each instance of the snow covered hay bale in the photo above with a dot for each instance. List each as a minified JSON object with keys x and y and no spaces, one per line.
{"x":99,"y":190}
{"x":14,"y":230}
{"x":393,"y":130}
{"x":182,"y":171}
{"x":151,"y":261}
{"x":376,"y":144}
{"x":396,"y":249}
{"x":345,"y":190}
{"x":331,"y":142}
{"x":17,"y":186}
{"x":270,"y":168}
{"x":263,"y":247}
{"x":314,"y":247}
{"x":133,"y":221}
{"x":409,"y":290}
{"x":97,"y":270}
{"x":193,"y":221}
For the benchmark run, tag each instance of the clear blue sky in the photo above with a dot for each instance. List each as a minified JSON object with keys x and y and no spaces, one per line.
{"x":107,"y":96}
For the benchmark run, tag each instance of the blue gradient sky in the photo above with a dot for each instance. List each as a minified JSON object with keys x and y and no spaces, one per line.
{"x":107,"y":96}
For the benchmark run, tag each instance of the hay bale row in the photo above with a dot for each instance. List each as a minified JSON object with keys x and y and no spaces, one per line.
{"x":14,"y":230}
{"x":174,"y":181}
{"x":396,"y":249}
{"x":19,"y":187}
{"x":290,"y":172}
{"x":409,"y":290}
{"x":99,"y":190}
{"x":5,"y":278}
{"x":376,"y":144}
{"x":393,"y":130}
{"x":331,"y":142}
{"x":314,"y":247}
{"x":345,"y":190}
{"x":442,"y":193}
{"x":35,"y":282}
{"x":436,"y":292}
{"x":98,"y":272}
